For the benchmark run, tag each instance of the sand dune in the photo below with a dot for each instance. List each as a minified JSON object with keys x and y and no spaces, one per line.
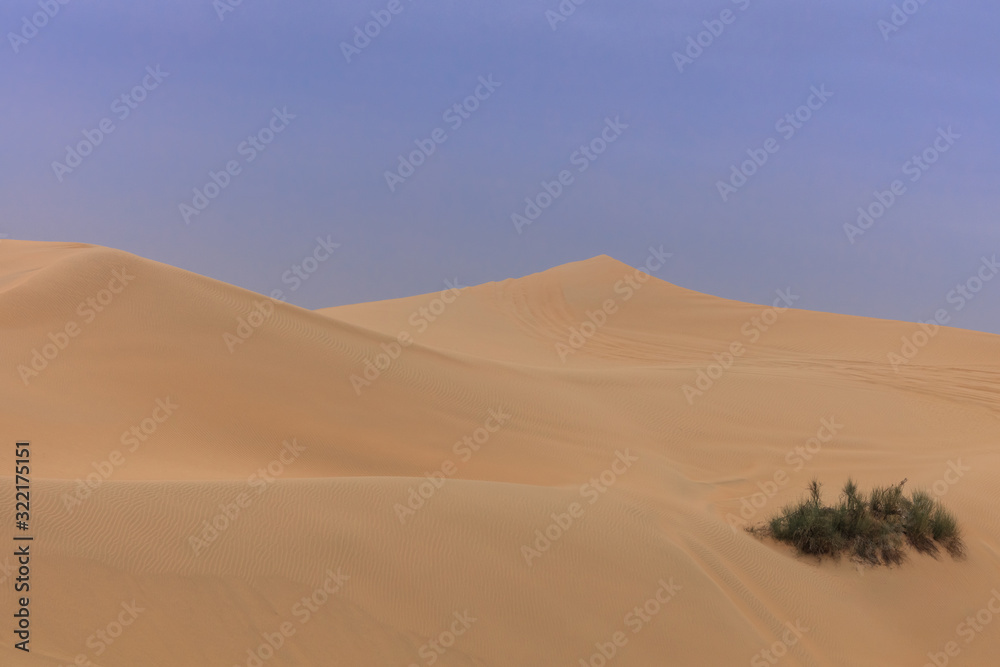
{"x":460,"y":479}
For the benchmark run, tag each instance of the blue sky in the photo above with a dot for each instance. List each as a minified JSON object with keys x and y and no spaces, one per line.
{"x":892,"y":95}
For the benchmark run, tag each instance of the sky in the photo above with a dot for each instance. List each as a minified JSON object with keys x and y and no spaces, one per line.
{"x":742,"y":136}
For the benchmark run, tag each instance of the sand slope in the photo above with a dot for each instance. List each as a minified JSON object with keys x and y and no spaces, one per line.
{"x":303,"y":462}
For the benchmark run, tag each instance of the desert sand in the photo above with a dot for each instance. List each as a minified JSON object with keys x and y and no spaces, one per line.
{"x":488,"y":493}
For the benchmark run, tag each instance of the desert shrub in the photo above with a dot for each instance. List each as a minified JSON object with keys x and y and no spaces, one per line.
{"x":918,"y":522}
{"x":873,"y":529}
{"x":944,"y":529}
{"x":887,"y":501}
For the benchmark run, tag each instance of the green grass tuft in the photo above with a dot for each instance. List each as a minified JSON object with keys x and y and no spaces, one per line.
{"x":873,"y":529}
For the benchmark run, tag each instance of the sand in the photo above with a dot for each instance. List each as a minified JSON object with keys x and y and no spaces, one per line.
{"x":489,"y":490}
